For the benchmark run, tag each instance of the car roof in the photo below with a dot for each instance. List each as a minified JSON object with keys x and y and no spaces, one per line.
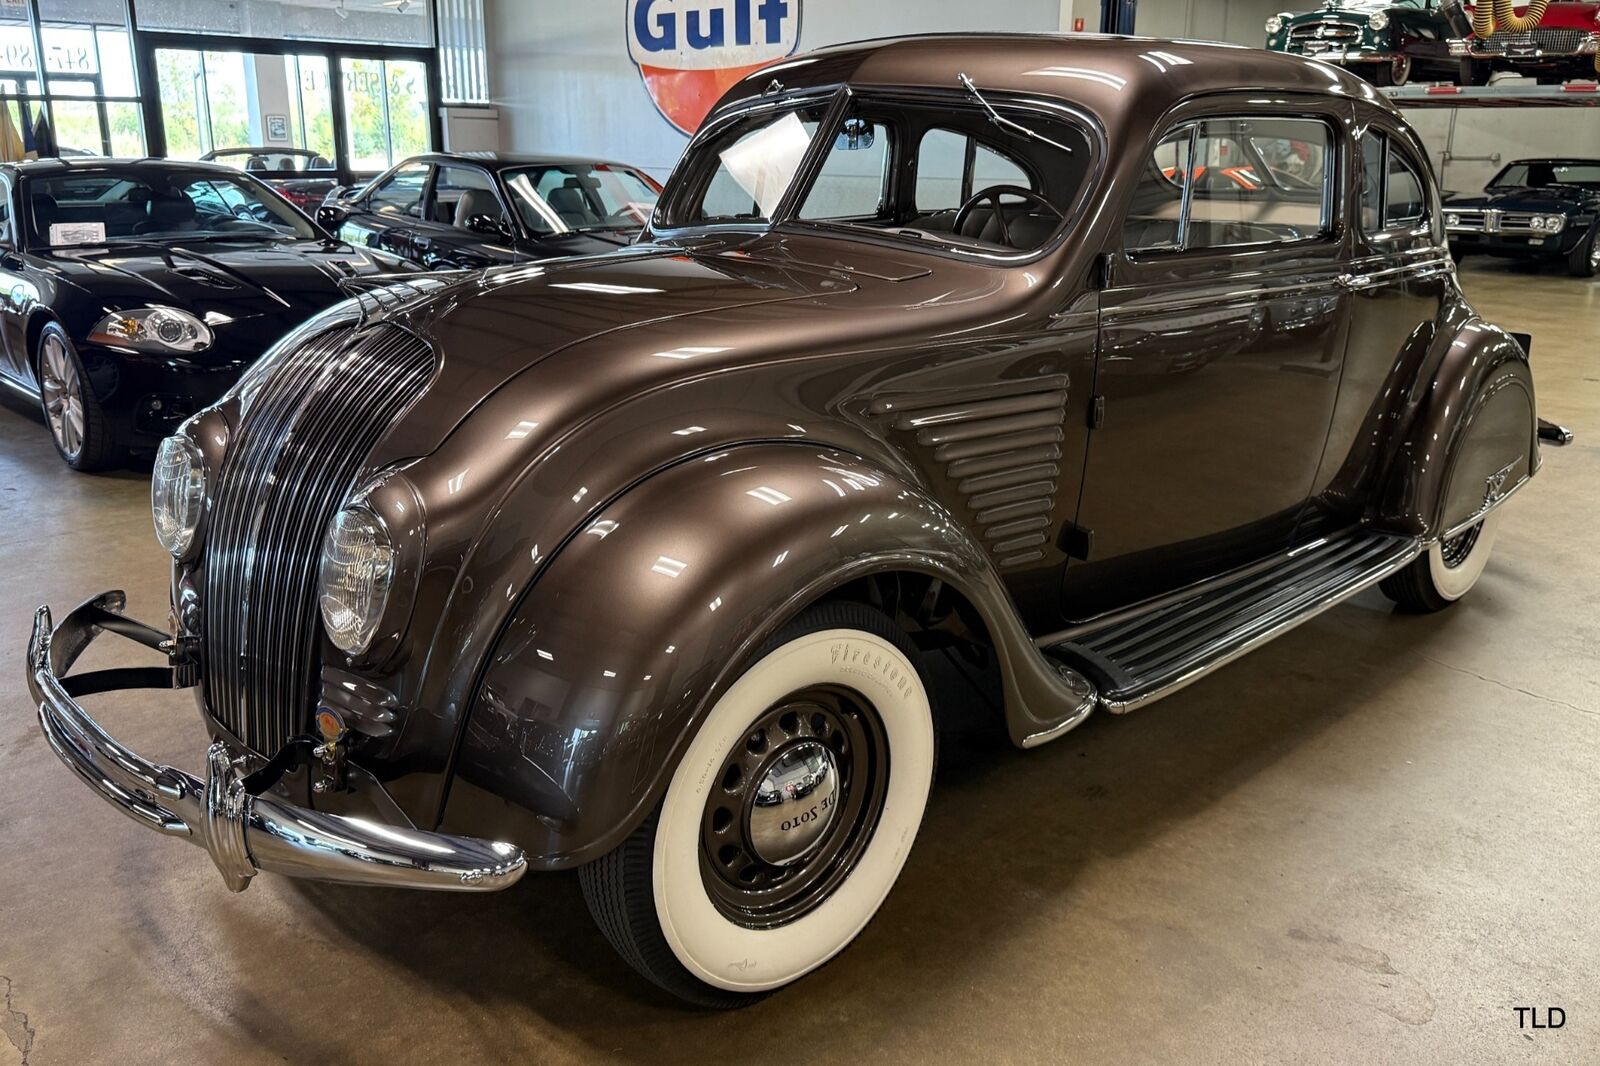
{"x":1555,"y":161}
{"x":504,"y":160}
{"x":1110,"y":75}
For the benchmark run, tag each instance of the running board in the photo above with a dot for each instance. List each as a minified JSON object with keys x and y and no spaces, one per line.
{"x":1136,"y":658}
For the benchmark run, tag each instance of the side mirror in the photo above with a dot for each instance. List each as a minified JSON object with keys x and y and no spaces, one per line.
{"x":488,"y":224}
{"x":329,"y":217}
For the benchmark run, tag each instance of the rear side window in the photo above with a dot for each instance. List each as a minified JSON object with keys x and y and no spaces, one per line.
{"x":1393,"y":192}
{"x":456,"y":188}
{"x":1235,"y":181}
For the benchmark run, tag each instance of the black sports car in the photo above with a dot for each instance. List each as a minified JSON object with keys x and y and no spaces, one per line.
{"x":133,"y":293}
{"x":478,"y":209}
{"x":1533,"y":209}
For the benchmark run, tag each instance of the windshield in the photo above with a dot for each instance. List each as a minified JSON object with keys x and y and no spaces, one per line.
{"x":580,"y":196}
{"x":1535,"y":175}
{"x":265,"y":163}
{"x":974,"y":174}
{"x":133,"y":204}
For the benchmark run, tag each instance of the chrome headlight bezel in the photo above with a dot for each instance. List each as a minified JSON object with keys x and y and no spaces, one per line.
{"x":164,"y":330}
{"x":365,"y":604}
{"x":1274,"y":25}
{"x":177,"y":493}
{"x":1555,"y":223}
{"x":1378,"y":21}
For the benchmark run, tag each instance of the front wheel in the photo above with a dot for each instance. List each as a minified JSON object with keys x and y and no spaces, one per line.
{"x":1446,"y":571}
{"x":1584,"y":261}
{"x":786,"y":822}
{"x":77,"y":424}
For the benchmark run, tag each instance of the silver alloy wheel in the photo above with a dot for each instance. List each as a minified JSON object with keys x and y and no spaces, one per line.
{"x":1594,"y":252}
{"x":62,"y":390}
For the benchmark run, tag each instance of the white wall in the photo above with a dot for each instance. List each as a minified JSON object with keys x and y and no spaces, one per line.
{"x":561,"y":74}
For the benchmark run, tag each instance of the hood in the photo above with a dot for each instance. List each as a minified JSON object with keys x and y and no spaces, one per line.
{"x":588,"y":242}
{"x":1551,"y":198}
{"x":285,"y":282}
{"x":635,"y":318}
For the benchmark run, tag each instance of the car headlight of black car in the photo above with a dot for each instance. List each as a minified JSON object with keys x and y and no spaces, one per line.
{"x":1549,"y":223}
{"x":177,"y":493}
{"x":153,"y":329}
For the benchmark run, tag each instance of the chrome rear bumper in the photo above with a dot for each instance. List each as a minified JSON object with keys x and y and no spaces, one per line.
{"x":243,"y":833}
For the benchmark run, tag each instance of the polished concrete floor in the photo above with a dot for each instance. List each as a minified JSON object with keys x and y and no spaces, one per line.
{"x":1369,"y":842}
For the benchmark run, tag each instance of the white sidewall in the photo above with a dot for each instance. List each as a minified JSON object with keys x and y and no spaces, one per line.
{"x":730,"y":956}
{"x":1454,"y":582}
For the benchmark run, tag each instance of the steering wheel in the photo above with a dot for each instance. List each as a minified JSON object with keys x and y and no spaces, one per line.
{"x":993,"y":194}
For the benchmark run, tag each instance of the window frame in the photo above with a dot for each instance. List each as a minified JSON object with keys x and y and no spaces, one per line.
{"x":1428,"y":224}
{"x":1334,"y":167}
{"x":8,"y":230}
{"x":431,"y":192}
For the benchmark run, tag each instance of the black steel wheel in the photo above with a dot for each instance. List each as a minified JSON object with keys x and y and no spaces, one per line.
{"x":786,"y":822}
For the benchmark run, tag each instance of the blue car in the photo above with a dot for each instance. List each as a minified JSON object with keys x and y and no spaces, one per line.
{"x":1533,"y":209}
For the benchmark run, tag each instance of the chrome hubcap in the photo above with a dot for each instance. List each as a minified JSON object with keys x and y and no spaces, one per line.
{"x":795,"y":802}
{"x":62,"y":393}
{"x":794,"y":807}
{"x":1594,"y":252}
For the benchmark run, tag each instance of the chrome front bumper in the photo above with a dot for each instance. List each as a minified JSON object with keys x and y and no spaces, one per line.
{"x":244,"y":833}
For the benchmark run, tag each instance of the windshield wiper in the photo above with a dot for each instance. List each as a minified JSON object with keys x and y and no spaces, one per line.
{"x":1005,"y":123}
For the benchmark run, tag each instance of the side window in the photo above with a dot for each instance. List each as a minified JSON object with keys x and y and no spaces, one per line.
{"x":942,"y":170}
{"x":1394,"y":193}
{"x":989,"y":167}
{"x":7,"y":237}
{"x":460,"y":193}
{"x":854,"y":180}
{"x":1404,"y":202}
{"x":401,"y":193}
{"x":1238,"y":181}
{"x":1155,"y":219}
{"x":1259,"y":181}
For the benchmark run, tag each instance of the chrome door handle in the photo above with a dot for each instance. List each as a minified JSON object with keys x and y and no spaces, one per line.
{"x":1356,"y":281}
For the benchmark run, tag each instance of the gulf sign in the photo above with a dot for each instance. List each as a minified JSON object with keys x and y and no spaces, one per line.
{"x":690,"y":51}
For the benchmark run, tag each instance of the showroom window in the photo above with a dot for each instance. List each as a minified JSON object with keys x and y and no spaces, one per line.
{"x":1235,"y":181}
{"x":82,"y":51}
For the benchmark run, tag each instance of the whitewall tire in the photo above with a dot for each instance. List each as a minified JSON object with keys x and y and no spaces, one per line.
{"x":1447,"y":570}
{"x":786,"y":822}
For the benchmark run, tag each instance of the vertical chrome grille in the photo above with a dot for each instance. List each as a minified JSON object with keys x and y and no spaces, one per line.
{"x":306,"y":429}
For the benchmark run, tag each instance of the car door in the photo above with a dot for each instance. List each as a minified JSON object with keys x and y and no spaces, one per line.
{"x":387,"y":214}
{"x":452,"y":231}
{"x":18,"y":293}
{"x":1398,"y":277}
{"x":1221,"y":336}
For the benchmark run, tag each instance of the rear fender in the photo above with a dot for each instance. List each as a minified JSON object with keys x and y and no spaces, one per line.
{"x":648,"y":614}
{"x":1474,"y":439}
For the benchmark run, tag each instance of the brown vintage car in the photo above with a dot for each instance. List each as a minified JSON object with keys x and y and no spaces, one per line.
{"x":629,"y":563}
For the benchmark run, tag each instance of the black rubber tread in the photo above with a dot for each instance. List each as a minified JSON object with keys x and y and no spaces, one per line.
{"x":1579,"y":264}
{"x":99,"y":451}
{"x":619,"y":886}
{"x":1412,"y":588}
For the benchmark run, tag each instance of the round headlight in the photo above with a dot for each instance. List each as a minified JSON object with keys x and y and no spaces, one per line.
{"x":1452,"y":220}
{"x":1274,"y":24}
{"x":1378,"y":20}
{"x":177,"y":493}
{"x":358,"y":567}
{"x":1555,"y":223}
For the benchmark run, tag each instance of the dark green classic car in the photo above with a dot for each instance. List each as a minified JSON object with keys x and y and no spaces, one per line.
{"x":1387,"y":42}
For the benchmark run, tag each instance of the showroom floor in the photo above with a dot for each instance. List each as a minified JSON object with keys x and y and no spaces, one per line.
{"x":1376,"y":833}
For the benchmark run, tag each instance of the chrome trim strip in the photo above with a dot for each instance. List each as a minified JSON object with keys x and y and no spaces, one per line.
{"x":1071,"y":722}
{"x":1478,"y":515}
{"x":244,"y":834}
{"x":1206,"y":666}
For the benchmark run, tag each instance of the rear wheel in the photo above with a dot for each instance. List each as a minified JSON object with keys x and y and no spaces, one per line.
{"x":77,"y":424}
{"x":1584,"y":260}
{"x":787,"y":821}
{"x":1446,"y":571}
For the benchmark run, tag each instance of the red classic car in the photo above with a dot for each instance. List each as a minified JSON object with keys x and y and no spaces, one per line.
{"x":1562,"y":44}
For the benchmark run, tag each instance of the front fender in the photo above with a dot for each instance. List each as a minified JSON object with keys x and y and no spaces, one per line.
{"x":645,"y":617}
{"x":1474,"y":438}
